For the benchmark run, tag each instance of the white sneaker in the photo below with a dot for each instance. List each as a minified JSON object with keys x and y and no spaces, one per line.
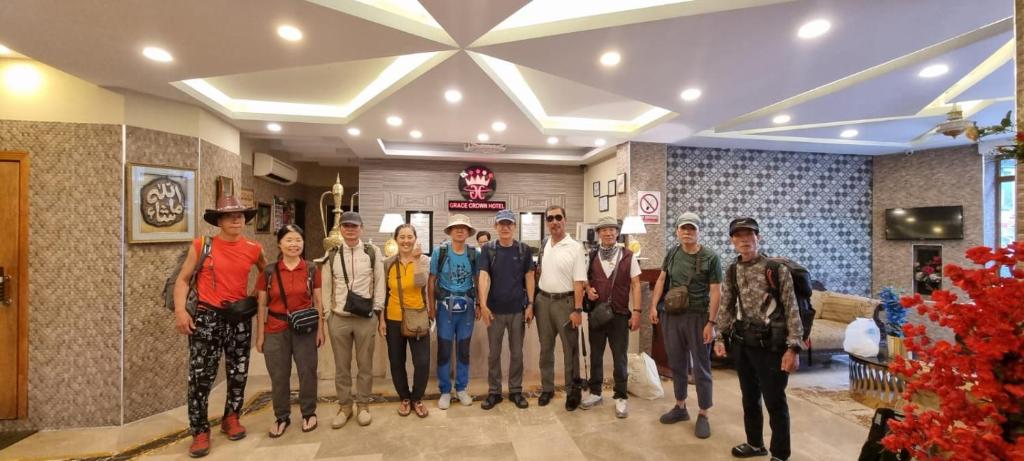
{"x":464,"y":398}
{"x":591,"y":401}
{"x":620,"y":408}
{"x":363,"y":416}
{"x":340,"y":419}
{"x":445,"y":401}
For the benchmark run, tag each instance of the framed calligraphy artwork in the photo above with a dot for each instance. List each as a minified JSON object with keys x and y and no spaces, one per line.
{"x":161,"y":204}
{"x":262,"y":221}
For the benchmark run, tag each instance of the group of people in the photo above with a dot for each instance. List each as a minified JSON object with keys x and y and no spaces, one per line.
{"x":354,"y":294}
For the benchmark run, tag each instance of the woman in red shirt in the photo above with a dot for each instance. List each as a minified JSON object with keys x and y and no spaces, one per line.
{"x":285,"y":289}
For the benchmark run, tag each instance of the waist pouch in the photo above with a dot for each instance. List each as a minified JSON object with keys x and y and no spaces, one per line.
{"x":302,"y":321}
{"x":457,"y":303}
{"x":771,"y":337}
{"x":240,"y":311}
{"x":358,"y":306}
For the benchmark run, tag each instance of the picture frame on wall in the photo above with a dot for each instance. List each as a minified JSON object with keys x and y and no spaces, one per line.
{"x":423,"y":222}
{"x":611,"y":188}
{"x":602,"y":203}
{"x":927,"y":269}
{"x":531,"y":228}
{"x":263,"y":212}
{"x":597,"y":188}
{"x":225,"y":187}
{"x":620,"y":183}
{"x":161,"y":203}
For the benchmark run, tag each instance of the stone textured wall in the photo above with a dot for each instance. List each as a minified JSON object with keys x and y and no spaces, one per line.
{"x":938,"y":177}
{"x":155,"y":356}
{"x":75,"y":249}
{"x":645,"y":166}
{"x":813,"y":208}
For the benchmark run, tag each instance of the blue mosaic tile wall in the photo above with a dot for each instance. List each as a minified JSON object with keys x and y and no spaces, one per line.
{"x":813,"y":208}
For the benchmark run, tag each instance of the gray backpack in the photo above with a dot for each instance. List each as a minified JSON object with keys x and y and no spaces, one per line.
{"x":193,"y":295}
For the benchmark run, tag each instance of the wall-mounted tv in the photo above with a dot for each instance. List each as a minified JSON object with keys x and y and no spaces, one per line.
{"x":925,"y":223}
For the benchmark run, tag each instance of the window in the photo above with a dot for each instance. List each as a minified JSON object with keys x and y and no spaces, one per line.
{"x":1006,"y":201}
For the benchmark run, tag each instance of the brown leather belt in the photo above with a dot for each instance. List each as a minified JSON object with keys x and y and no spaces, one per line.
{"x":556,"y":296}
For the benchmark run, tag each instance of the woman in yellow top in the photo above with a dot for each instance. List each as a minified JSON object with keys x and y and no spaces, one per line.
{"x":414,"y":268}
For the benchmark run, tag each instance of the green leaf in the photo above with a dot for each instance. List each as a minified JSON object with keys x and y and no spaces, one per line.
{"x":1005,"y":123}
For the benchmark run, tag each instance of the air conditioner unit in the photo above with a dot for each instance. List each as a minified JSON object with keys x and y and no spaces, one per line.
{"x":267,"y":167}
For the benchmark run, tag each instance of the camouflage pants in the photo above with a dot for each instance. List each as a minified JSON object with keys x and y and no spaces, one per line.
{"x":213,"y":335}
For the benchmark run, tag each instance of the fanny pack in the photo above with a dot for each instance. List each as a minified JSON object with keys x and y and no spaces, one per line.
{"x":456,"y":303}
{"x":241,"y":310}
{"x":758,"y":335}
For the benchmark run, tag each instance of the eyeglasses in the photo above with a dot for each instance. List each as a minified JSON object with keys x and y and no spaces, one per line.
{"x":550,"y":218}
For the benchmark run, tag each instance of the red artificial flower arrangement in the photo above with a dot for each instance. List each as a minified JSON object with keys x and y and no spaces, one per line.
{"x":979,"y":379}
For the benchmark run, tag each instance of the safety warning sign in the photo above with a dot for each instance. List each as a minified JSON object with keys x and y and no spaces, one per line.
{"x":649,"y":206}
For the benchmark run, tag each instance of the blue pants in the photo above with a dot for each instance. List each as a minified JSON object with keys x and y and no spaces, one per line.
{"x":458,"y":328}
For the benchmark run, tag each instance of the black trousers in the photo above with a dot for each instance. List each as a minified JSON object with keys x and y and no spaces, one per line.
{"x":215,"y":335}
{"x":420,"y":362}
{"x":761,"y":376}
{"x":615,"y":333}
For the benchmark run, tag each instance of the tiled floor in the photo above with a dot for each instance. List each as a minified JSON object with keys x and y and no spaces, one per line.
{"x":825,"y":426}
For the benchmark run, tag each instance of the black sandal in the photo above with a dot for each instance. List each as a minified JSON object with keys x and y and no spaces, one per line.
{"x":287,"y":422}
{"x":305,"y":419}
{"x":745,"y":450}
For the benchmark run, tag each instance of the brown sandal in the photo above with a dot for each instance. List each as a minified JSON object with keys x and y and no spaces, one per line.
{"x":421,"y":409}
{"x":403,"y":408}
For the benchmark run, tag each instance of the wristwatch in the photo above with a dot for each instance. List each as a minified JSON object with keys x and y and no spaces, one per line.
{"x":637,"y":311}
{"x":577,"y":309}
{"x":713,"y":323}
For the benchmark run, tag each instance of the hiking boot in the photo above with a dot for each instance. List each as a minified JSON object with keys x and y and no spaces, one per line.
{"x":464,"y":398}
{"x":363,"y":414}
{"x":675,"y":415}
{"x":200,"y":445}
{"x":572,"y":400}
{"x":518,"y":399}
{"x":746,"y":450}
{"x":445,"y":401}
{"x":491,"y":401}
{"x":230,"y":426}
{"x":591,"y":401}
{"x":703,"y":427}
{"x":545,"y":398}
{"x":621,"y":409}
{"x":344,"y":414}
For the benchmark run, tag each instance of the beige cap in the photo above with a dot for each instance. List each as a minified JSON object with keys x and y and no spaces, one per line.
{"x":458,"y":220}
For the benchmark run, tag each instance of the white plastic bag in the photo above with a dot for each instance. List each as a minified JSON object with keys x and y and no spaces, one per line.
{"x":644,"y":381}
{"x":862,"y":337}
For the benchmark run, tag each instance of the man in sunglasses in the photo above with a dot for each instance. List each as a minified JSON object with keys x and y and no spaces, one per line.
{"x":562,"y":266}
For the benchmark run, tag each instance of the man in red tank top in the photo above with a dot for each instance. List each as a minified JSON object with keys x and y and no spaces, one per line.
{"x":222,"y":279}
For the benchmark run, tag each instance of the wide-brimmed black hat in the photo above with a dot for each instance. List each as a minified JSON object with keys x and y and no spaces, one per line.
{"x":225,"y":205}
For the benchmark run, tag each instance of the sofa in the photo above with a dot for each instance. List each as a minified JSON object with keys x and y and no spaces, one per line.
{"x":834,"y":312}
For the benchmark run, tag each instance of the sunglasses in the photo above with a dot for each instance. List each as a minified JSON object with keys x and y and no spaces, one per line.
{"x":550,"y":218}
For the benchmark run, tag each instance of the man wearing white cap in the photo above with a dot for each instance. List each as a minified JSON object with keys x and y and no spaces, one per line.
{"x":452,"y":292}
{"x":692,"y":275}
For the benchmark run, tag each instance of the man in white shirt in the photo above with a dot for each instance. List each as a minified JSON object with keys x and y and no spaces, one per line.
{"x":563,"y":274}
{"x":613,"y":278}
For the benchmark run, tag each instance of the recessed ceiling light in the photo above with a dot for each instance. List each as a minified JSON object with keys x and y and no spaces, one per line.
{"x":354,"y":131}
{"x":814,"y":29}
{"x":290,"y":33}
{"x":611,"y":58}
{"x":417,"y":134}
{"x":600,"y":142}
{"x":483,"y":137}
{"x":498,"y":126}
{"x":552,"y":140}
{"x":453,"y":96}
{"x":157,"y":54}
{"x":780,"y":119}
{"x":394,"y":120}
{"x":274,"y":127}
{"x":690,"y":94}
{"x":4,"y":50}
{"x":848,"y":134}
{"x":933,"y":70}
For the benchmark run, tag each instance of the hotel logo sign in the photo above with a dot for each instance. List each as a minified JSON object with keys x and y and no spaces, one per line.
{"x":477,"y":185}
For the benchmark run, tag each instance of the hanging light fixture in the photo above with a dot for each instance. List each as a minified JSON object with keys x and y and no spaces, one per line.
{"x":954,"y":124}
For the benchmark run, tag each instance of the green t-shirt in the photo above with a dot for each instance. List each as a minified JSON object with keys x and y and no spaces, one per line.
{"x":683,"y":265}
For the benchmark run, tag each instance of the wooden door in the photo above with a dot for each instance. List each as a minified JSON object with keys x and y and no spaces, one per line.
{"x":14,"y":279}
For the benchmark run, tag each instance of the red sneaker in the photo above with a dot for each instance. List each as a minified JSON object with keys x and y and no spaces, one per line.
{"x":230,"y":426}
{"x":200,"y":445}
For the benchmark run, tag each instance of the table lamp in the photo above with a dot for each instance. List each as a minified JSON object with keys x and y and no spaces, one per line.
{"x":388,"y":224}
{"x":633,"y":225}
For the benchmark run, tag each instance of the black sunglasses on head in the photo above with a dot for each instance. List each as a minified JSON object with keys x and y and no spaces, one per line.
{"x":550,"y":218}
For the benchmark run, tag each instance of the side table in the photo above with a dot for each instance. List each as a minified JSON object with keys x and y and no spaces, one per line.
{"x":872,"y":384}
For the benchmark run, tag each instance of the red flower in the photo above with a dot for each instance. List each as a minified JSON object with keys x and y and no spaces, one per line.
{"x":979,"y":379}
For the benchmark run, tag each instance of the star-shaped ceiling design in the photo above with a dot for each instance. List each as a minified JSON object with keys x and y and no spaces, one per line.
{"x":370,"y":77}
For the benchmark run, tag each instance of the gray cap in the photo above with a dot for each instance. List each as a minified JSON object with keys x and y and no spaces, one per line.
{"x":607,"y":221}
{"x":690,"y":218}
{"x":351,"y":217}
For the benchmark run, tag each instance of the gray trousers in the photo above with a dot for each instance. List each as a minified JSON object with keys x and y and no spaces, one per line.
{"x":279,"y":349}
{"x":515,"y":324}
{"x":350,"y":333}
{"x":552,"y":321}
{"x":684,"y":338}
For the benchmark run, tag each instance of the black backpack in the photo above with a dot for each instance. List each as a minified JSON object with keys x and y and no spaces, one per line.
{"x":193,"y":295}
{"x":801,"y":288}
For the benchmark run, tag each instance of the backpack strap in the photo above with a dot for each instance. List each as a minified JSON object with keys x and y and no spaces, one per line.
{"x":671,"y":261}
{"x":737,"y":302}
{"x":472,"y":254}
{"x":204,"y":252}
{"x":310,"y":277}
{"x":540,"y":254}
